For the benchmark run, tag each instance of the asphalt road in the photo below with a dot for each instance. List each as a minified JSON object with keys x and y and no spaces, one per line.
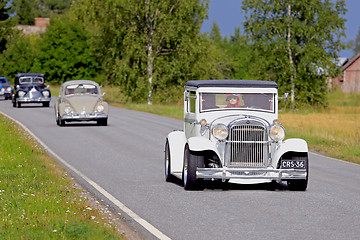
{"x":125,"y":159}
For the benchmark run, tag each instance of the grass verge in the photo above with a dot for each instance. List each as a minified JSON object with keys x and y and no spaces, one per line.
{"x":38,"y":199}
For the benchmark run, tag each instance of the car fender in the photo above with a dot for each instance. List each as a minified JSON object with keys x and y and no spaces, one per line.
{"x":199,"y":144}
{"x":177,"y":141}
{"x":290,"y":145}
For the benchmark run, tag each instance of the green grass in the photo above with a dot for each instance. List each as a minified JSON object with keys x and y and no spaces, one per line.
{"x":37,"y":197}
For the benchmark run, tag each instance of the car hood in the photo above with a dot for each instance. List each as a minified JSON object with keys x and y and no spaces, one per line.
{"x":4,"y":85}
{"x":83,"y":103}
{"x":228,"y":120}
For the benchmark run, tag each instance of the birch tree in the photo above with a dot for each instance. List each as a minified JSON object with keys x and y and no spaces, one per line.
{"x":296,"y":43}
{"x":148,"y":46}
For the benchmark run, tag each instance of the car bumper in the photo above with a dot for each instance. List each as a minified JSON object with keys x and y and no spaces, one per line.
{"x":252,"y":173}
{"x":33,"y":100}
{"x":84,"y":117}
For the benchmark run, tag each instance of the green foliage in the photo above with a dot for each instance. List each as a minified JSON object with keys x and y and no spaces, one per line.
{"x":62,"y":53}
{"x":355,"y":45}
{"x":232,"y":56}
{"x":149,"y":48}
{"x":295,"y":43}
{"x":65,"y":51}
{"x":6,"y":25}
{"x":22,"y":55}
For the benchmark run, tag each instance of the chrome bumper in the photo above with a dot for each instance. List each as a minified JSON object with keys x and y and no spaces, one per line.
{"x":33,"y":100}
{"x":84,"y":117}
{"x":251,"y":173}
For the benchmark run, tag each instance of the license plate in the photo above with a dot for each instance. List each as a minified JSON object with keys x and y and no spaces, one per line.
{"x":292,"y":164}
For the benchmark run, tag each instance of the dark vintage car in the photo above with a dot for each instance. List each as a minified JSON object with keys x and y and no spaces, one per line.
{"x":30,"y":88}
{"x":5,"y":88}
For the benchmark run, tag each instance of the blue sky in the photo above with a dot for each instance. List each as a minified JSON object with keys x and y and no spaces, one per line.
{"x":228,"y":15}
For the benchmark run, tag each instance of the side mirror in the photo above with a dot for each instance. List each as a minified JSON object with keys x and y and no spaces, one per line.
{"x":103,"y":94}
{"x":286,"y":97}
{"x":187,"y":95}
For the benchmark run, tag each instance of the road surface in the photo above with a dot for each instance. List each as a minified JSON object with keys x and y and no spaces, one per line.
{"x":122,"y":164}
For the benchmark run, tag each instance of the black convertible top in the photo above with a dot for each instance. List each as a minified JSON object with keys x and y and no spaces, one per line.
{"x":232,"y":83}
{"x":29,"y":74}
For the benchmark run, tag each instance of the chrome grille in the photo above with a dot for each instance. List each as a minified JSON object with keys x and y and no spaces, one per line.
{"x":248,"y":145}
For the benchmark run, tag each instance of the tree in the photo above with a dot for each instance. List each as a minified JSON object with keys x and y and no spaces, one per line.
{"x":6,"y":25}
{"x":355,"y":45}
{"x":149,"y":47}
{"x":296,"y":43}
{"x":65,"y":52}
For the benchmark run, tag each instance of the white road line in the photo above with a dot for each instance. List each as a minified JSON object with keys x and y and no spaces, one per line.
{"x":115,"y":201}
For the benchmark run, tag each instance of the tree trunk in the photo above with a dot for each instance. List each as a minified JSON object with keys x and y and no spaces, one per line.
{"x":291,"y":62}
{"x":150,"y":64}
{"x":149,"y":48}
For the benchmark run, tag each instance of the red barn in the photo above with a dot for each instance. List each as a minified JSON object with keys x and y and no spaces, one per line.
{"x":351,"y":75}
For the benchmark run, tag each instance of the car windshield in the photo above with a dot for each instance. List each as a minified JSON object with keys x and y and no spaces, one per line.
{"x":3,"y":80}
{"x":81,"y":89}
{"x":31,"y":80}
{"x":243,"y":101}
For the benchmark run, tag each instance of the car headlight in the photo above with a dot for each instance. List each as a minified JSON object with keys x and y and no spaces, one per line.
{"x":21,"y":93}
{"x":67,"y":109}
{"x":8,"y":89}
{"x":277,"y":132}
{"x":220,"y":131}
{"x":100,"y":108}
{"x":46,"y":94}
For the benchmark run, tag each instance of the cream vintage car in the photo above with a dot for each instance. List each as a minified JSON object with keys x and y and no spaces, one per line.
{"x":81,"y":100}
{"x":232,"y":134}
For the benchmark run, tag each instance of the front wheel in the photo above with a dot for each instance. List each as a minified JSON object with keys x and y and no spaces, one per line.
{"x":102,"y":122}
{"x":191,"y":162}
{"x":168,"y":176}
{"x":299,"y":184}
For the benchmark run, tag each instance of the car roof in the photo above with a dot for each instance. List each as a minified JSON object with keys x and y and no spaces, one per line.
{"x":232,"y":83}
{"x":29,"y":74}
{"x":79,"y":82}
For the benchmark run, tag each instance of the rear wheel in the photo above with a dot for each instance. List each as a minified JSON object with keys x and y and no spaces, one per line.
{"x":191,"y":162}
{"x":299,"y":184}
{"x":168,"y":176}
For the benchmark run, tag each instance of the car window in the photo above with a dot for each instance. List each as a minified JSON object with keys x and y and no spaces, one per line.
{"x":81,"y":89}
{"x":2,"y":80}
{"x":190,"y":101}
{"x":227,"y":101}
{"x":31,"y":80}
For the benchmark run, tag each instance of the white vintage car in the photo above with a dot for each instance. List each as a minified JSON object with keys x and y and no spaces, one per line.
{"x":232,"y":133}
{"x":81,"y":100}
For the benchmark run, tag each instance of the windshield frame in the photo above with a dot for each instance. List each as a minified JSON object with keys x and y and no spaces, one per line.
{"x":32,"y":80}
{"x":81,"y":86}
{"x":242,"y":92}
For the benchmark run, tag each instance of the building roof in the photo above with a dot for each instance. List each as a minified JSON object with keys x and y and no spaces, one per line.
{"x":232,"y":83}
{"x":351,"y":61}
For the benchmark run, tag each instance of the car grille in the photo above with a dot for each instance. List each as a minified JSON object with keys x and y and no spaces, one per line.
{"x":248,"y":145}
